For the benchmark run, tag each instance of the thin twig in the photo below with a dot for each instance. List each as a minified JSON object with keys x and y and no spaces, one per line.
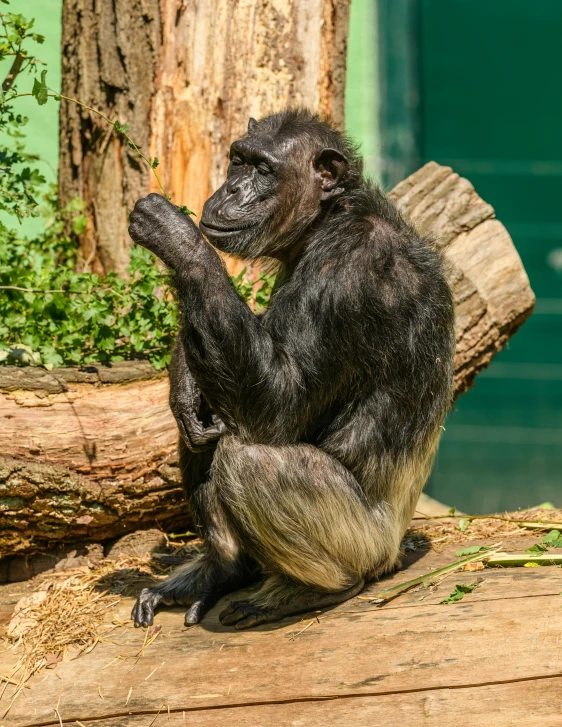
{"x":36,"y":290}
{"x":58,"y":96}
{"x":13,"y":72}
{"x":69,"y":292}
{"x":522,"y":523}
{"x":305,"y":628}
{"x":154,"y":720}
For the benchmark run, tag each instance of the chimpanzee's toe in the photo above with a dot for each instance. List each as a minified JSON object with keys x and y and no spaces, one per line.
{"x":245,"y":614}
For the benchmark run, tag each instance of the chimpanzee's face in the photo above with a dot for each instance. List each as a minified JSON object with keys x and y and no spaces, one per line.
{"x":275,"y":186}
{"x":269,"y":185}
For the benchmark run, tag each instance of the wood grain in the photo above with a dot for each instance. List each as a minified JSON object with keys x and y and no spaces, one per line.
{"x":534,"y":703}
{"x":501,"y":643}
{"x":490,"y":287}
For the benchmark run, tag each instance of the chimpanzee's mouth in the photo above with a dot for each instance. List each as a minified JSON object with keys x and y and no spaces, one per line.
{"x":213,"y":229}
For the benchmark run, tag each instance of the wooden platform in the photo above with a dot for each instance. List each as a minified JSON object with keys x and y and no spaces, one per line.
{"x":493,"y":659}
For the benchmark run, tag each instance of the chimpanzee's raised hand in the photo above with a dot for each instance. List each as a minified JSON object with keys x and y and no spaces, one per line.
{"x":199,"y":426}
{"x":165,"y":230}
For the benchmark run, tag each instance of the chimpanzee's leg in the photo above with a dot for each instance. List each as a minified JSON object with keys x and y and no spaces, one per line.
{"x":302,"y":515}
{"x":219,"y":569}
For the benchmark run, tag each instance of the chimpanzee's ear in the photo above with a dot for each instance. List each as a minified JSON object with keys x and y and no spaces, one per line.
{"x":252,"y":123}
{"x":331,"y":168}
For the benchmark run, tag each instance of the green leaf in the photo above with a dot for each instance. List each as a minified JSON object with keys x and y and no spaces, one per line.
{"x":40,"y":90}
{"x":121,"y":129}
{"x":460,"y":592}
{"x":537,"y":548}
{"x":553,"y":539}
{"x":79,"y":224}
{"x":471,"y":550}
{"x":452,"y":511}
{"x":183,"y":208}
{"x":155,"y":162}
{"x":463,"y":524}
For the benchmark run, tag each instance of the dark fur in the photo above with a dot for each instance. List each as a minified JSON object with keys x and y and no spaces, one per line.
{"x":332,"y":401}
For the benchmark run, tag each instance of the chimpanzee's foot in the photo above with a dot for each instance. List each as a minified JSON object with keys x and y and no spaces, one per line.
{"x":272,"y":603}
{"x":246,"y":614}
{"x":200,"y":583}
{"x":150,"y":598}
{"x":143,"y":610}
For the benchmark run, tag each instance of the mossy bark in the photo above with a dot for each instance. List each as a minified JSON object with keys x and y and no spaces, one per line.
{"x":44,"y":505}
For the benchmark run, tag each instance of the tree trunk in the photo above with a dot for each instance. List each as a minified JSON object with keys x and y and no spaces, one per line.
{"x":186,"y":77}
{"x":110,"y":56}
{"x":91,"y":454}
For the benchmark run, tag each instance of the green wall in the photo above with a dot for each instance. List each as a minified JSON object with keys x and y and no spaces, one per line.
{"x":43,"y":127}
{"x":362,"y":83}
{"x":491,"y":108}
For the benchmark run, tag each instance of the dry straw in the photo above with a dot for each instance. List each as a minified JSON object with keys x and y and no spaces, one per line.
{"x":67,"y":615}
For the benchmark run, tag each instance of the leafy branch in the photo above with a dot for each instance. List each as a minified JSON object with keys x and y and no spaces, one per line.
{"x":41,"y":92}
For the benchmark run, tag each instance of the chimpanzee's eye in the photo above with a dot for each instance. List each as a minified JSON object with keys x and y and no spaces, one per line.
{"x":236,"y":161}
{"x":263,"y":168}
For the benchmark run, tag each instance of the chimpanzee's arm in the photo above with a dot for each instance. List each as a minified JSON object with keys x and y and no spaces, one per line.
{"x":199,"y":426}
{"x":250,"y":381}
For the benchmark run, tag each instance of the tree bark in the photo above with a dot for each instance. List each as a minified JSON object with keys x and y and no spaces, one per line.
{"x":186,"y":77}
{"x":110,"y":56}
{"x":90,"y":454}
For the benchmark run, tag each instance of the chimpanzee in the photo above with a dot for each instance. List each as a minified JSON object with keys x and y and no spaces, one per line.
{"x":308,"y":432}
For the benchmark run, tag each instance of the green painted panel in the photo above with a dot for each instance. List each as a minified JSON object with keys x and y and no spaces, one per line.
{"x":361,"y":88}
{"x":491,"y":108}
{"x":43,"y":127}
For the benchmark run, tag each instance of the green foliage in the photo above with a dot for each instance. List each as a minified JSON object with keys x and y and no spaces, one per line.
{"x":40,"y":90}
{"x":463,"y":524}
{"x":537,"y":549}
{"x":52,"y":315}
{"x":20,"y":181}
{"x":553,"y":539}
{"x":472,"y":550}
{"x":247,"y":289}
{"x":460,"y":592}
{"x":69,"y":318}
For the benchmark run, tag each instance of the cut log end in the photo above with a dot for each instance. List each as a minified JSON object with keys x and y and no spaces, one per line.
{"x":490,"y":287}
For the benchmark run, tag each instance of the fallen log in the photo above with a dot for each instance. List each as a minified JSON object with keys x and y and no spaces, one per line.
{"x":90,"y":454}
